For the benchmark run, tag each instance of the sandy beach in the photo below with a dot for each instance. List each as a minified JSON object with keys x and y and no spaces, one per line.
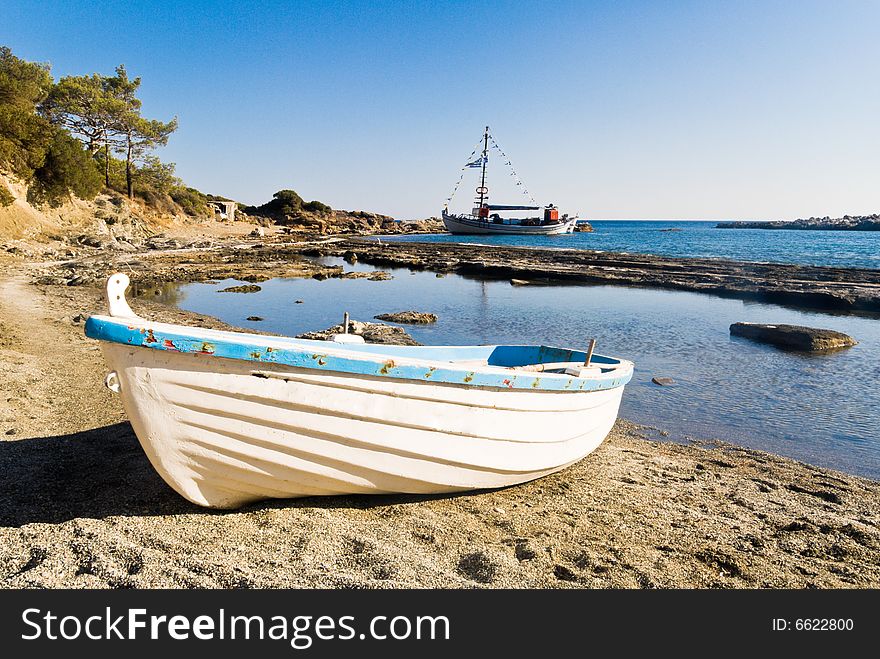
{"x":83,"y":508}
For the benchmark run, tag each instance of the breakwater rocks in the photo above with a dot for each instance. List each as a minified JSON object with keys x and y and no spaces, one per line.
{"x":794,"y":337}
{"x":845,"y":223}
{"x":812,"y":287}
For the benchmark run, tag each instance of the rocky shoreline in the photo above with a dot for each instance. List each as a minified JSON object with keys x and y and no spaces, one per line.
{"x":845,"y":223}
{"x":279,"y":254}
{"x":812,"y":287}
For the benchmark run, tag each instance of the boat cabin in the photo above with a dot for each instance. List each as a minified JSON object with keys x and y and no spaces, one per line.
{"x":485,"y":213}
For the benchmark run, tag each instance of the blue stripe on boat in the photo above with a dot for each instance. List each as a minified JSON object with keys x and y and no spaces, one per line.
{"x":373,"y":360}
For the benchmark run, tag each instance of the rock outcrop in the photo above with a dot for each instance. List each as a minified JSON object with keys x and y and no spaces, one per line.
{"x":794,"y":337}
{"x":845,"y":223}
{"x":371,"y":275}
{"x":334,"y":222}
{"x":408,"y":317}
{"x":245,"y":288}
{"x":803,"y":286}
{"x":372,"y":333}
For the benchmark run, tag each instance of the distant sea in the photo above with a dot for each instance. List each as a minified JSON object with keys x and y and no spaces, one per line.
{"x":848,"y":249}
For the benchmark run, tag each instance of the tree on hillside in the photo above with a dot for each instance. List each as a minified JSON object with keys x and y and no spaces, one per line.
{"x":105,"y":112}
{"x":44,"y":156}
{"x":84,"y":106}
{"x":141,"y":137}
{"x":156,"y":176}
{"x":138,"y":135}
{"x":24,"y":135}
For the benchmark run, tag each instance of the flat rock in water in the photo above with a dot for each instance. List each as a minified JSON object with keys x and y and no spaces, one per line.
{"x":372,"y":333}
{"x":794,"y":337}
{"x":248,"y":288}
{"x":542,"y":281}
{"x":663,"y":382}
{"x":408,"y":317}
{"x":254,"y":318}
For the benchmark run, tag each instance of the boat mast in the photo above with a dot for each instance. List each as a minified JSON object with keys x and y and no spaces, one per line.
{"x":482,"y":189}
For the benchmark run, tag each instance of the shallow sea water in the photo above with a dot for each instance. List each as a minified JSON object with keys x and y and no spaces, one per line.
{"x":847,"y":249}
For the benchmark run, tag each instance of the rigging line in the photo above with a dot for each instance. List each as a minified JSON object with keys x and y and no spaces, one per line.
{"x":461,"y":178}
{"x":519,"y":181}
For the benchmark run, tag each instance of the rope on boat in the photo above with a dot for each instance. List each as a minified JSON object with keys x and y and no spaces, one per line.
{"x":516,"y":179}
{"x":513,"y":173}
{"x":461,"y":176}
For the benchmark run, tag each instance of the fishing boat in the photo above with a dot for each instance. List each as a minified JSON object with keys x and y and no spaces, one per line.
{"x":228,"y":418}
{"x":486,"y":218}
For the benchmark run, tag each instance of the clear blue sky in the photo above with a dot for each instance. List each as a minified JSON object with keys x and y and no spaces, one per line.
{"x":614,"y":109}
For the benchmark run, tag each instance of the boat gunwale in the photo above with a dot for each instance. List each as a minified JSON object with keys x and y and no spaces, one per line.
{"x":341,"y":358}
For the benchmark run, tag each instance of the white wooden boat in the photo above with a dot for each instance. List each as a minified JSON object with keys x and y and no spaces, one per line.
{"x":476,"y":225}
{"x":486,"y":218}
{"x":228,"y":418}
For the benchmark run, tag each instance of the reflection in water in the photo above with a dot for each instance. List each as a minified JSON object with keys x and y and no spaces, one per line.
{"x":818,"y":408}
{"x":166,"y":293}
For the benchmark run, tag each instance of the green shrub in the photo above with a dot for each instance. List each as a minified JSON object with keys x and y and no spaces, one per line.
{"x":316,"y":207}
{"x":155,"y":176}
{"x":286,"y":203}
{"x":117,"y":172}
{"x":67,"y":170}
{"x":6,"y":198}
{"x":193,"y":202}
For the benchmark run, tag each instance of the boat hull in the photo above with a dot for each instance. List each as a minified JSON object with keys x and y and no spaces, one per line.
{"x":464,"y":225}
{"x":226,"y":432}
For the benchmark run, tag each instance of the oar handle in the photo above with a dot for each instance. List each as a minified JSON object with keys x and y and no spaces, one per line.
{"x":590,"y":352}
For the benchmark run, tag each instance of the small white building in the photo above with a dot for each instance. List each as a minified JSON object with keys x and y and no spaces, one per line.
{"x":224,"y":210}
